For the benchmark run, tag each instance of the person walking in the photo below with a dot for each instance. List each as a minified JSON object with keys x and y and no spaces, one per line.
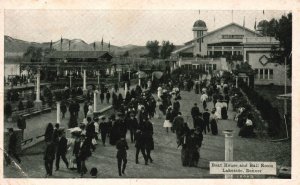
{"x":107,"y":97}
{"x":49,"y":157}
{"x":195,"y":110}
{"x":12,"y":145}
{"x":132,"y":125}
{"x":63,"y":109}
{"x":139,"y":145}
{"x":122,"y":146}
{"x":49,"y":132}
{"x":167,"y":122}
{"x":21,"y":123}
{"x":206,"y":116}
{"x":85,"y":108}
{"x":147,"y":135}
{"x":101,"y":96}
{"x":104,"y":129}
{"x":61,"y":150}
{"x":204,"y":98}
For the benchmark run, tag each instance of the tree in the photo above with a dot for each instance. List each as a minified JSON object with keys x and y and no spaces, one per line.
{"x":153,"y":47}
{"x":126,"y":54}
{"x":282,"y":30}
{"x":34,"y":54}
{"x":166,"y":49}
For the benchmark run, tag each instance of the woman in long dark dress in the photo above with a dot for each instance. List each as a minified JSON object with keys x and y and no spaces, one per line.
{"x":49,"y":132}
{"x":213,"y":122}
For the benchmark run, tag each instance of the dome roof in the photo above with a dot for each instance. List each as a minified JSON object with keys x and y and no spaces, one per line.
{"x":199,"y":23}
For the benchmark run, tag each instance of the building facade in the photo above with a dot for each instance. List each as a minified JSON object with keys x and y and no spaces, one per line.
{"x":228,"y":44}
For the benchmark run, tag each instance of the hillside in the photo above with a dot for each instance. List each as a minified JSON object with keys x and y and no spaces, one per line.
{"x":16,"y":47}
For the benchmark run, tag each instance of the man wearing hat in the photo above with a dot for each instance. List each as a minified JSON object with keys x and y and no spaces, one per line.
{"x":195,"y":110}
{"x":132,"y":124}
{"x":82,"y":151}
{"x":122,"y":146}
{"x":104,"y":129}
{"x":61,"y":149}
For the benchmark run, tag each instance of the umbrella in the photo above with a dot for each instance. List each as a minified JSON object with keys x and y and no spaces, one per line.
{"x":141,"y":74}
{"x":157,"y":74}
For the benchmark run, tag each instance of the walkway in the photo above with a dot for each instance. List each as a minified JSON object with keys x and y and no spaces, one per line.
{"x":166,"y":155}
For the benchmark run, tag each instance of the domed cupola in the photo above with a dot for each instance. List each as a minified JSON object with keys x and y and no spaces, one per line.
{"x":199,"y":28}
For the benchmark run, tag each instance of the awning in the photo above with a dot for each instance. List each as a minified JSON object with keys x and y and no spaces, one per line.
{"x":287,"y":96}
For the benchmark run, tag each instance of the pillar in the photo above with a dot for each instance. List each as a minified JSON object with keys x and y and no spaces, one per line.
{"x":38,"y":86}
{"x":38,"y":102}
{"x":58,"y":112}
{"x":119,"y":76}
{"x":70,"y":81}
{"x":95,"y":100}
{"x":84,"y":79}
{"x":140,"y":82}
{"x":98,"y":73}
{"x":236,"y":82}
{"x":126,"y":90}
{"x":248,"y":81}
{"x":228,"y":148}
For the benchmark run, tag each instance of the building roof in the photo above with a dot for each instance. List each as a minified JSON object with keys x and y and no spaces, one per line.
{"x":183,"y":48}
{"x":216,"y":30}
{"x":199,"y":23}
{"x":79,"y":54}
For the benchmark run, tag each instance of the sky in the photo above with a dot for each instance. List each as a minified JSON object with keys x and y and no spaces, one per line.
{"x":122,"y":27}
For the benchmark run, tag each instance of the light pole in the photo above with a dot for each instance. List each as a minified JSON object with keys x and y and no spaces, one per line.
{"x":228,"y":148}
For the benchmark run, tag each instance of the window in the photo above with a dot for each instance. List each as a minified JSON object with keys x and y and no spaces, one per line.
{"x":261,"y":73}
{"x":214,"y":66}
{"x":265,"y":74}
{"x":232,"y":36}
{"x":271,"y":74}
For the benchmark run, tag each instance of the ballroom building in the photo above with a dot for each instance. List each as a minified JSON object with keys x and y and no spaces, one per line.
{"x":232,"y":43}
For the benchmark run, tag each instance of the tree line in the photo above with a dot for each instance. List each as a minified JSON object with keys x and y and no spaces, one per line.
{"x":281,"y":29}
{"x":155,"y":51}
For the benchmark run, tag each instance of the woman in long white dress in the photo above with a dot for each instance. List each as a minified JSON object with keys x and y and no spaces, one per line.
{"x":218,"y":109}
{"x":91,"y":111}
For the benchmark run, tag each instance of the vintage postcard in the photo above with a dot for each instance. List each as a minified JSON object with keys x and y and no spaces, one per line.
{"x":183,"y":93}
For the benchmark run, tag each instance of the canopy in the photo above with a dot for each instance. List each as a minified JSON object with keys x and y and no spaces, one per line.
{"x":157,"y":74}
{"x":141,"y":74}
{"x":287,"y":96}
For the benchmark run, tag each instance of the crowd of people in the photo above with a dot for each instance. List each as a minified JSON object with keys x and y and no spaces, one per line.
{"x":133,"y":114}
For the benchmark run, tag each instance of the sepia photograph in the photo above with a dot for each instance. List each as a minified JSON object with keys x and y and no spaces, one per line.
{"x":167,"y":94}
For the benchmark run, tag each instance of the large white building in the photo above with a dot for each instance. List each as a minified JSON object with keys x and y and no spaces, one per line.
{"x":231,"y":42}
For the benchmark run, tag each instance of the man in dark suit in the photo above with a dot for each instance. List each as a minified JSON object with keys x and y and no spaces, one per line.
{"x":122,"y":146}
{"x":206,"y":116}
{"x":61,"y":150}
{"x":104,"y":129}
{"x":101,"y":96}
{"x":198,"y":122}
{"x":90,"y":132}
{"x":49,"y":157}
{"x":82,"y":151}
{"x":132,"y":125}
{"x":147,"y":136}
{"x":195,"y":110}
{"x":55,"y":135}
{"x":12,"y":144}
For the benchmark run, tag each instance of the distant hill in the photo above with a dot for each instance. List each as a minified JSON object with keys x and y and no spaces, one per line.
{"x":16,"y":47}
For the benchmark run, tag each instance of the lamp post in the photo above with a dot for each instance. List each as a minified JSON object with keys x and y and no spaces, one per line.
{"x":228,"y":148}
